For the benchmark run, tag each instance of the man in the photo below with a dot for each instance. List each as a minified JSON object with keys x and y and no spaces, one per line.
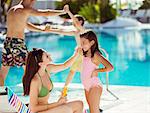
{"x":14,"y":51}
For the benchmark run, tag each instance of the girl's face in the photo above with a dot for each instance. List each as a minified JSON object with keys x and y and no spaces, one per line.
{"x":32,"y":2}
{"x":86,"y":44}
{"x":46,"y":58}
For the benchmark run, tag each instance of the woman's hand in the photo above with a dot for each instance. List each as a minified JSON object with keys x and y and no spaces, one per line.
{"x":62,"y":100}
{"x":94,"y":73}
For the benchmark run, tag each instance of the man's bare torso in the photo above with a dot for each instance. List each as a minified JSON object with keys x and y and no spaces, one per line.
{"x":16,"y":21}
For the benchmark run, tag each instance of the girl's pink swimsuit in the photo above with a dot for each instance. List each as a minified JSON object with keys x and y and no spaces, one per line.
{"x":86,"y":79}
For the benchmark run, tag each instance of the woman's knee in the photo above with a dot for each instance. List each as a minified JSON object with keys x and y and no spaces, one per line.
{"x":76,"y":105}
{"x":80,"y":104}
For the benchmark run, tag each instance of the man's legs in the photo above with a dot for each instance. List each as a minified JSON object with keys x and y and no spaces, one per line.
{"x":3,"y":73}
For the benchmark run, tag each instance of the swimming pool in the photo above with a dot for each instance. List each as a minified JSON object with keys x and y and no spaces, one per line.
{"x":129,"y":52}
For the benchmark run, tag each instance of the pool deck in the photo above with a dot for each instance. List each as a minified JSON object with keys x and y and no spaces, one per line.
{"x":132,"y":99}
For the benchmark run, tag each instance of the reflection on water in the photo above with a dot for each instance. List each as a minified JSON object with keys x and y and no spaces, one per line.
{"x":133,"y":46}
{"x":129,"y":52}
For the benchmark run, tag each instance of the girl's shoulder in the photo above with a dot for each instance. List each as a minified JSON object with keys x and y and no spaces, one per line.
{"x":97,"y":54}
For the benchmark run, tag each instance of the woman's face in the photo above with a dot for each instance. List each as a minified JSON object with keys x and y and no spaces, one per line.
{"x":46,"y":58}
{"x":86,"y":44}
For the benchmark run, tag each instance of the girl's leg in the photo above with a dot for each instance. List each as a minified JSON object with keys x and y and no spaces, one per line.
{"x":94,"y":99}
{"x":87,"y":96}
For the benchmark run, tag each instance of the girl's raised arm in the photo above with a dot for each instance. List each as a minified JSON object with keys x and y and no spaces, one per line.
{"x":59,"y":67}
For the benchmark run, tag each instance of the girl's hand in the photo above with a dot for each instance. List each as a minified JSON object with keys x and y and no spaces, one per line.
{"x":66,"y":8}
{"x":62,"y":100}
{"x":78,"y":51}
{"x":94,"y":73}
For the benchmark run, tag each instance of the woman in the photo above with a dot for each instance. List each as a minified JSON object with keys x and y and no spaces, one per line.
{"x":38,"y":85}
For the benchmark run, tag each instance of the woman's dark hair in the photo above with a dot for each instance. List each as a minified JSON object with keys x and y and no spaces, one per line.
{"x":32,"y":67}
{"x":80,"y":18}
{"x":91,"y":36}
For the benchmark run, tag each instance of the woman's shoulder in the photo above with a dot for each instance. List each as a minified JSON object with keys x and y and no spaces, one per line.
{"x":35,"y":80}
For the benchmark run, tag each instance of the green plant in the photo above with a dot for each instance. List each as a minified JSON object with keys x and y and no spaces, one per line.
{"x":91,"y":12}
{"x":146,"y":4}
{"x":74,"y":5}
{"x":95,"y":11}
{"x":107,"y":13}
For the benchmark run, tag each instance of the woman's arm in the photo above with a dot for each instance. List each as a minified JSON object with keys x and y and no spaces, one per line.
{"x":61,"y":32}
{"x":33,"y":27}
{"x":35,"y":107}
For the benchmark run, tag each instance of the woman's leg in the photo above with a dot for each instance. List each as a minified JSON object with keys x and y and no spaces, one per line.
{"x":94,"y":99}
{"x":59,"y":109}
{"x":77,"y":106}
{"x":70,"y":107}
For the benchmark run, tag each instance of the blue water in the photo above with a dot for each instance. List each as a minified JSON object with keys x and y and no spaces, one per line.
{"x":129,"y":52}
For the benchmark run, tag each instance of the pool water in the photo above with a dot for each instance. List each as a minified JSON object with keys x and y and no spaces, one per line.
{"x":129,"y":52}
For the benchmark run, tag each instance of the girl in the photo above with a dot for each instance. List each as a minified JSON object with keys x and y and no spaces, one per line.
{"x":91,"y":59}
{"x":38,"y":85}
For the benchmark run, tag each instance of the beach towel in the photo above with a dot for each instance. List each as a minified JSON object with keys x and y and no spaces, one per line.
{"x":15,"y":102}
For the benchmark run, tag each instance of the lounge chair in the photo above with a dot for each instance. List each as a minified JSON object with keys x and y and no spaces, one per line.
{"x":140,"y":13}
{"x":126,"y":13}
{"x":37,"y":20}
{"x":147,"y":15}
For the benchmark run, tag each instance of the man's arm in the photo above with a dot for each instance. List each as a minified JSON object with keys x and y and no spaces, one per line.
{"x":46,"y":12}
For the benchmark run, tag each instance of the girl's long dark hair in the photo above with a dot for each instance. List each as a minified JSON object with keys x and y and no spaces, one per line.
{"x":32,"y":67}
{"x":90,"y":35}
